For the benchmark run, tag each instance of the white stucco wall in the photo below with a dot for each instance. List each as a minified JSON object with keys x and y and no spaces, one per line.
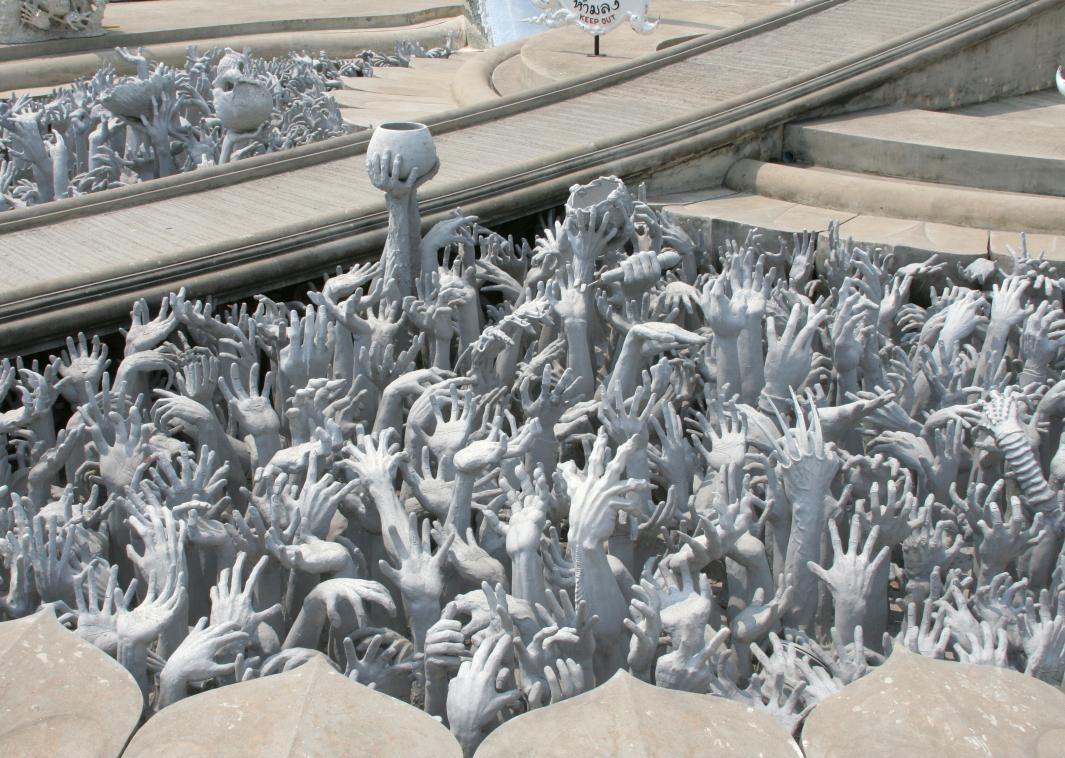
{"x":501,"y":20}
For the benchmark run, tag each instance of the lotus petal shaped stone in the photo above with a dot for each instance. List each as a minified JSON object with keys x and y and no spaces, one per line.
{"x":59,"y":695}
{"x":627,"y":717}
{"x":913,"y":705}
{"x":308,"y":711}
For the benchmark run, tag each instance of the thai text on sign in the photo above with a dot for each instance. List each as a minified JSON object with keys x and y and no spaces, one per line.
{"x":594,"y":16}
{"x":600,"y":14}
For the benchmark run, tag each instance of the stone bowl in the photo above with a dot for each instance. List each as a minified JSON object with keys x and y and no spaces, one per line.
{"x":607,"y":194}
{"x":408,"y":139}
{"x":242,"y":105}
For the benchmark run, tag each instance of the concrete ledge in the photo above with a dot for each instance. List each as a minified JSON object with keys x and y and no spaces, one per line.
{"x":473,"y":82}
{"x":529,"y":75}
{"x":732,"y":215}
{"x":1052,"y":245}
{"x":911,"y":240}
{"x":896,"y":198}
{"x":1045,"y":107}
{"x":509,"y":77}
{"x":567,"y":51}
{"x":936,"y":146}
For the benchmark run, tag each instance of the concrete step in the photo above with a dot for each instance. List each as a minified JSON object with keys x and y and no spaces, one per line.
{"x":724,"y":214}
{"x":732,"y":215}
{"x":1003,"y":245}
{"x":513,"y":76}
{"x":900,"y":198}
{"x":1045,"y":108}
{"x":567,"y":52}
{"x":993,"y":147}
{"x":720,"y":214}
{"x":507,"y":78}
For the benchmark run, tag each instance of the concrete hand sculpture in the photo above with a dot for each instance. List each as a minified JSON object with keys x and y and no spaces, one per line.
{"x":35,"y":20}
{"x":486,"y":475}
{"x":110,"y":130}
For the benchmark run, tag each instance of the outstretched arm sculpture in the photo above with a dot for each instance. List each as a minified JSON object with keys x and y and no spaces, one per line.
{"x":486,"y":475}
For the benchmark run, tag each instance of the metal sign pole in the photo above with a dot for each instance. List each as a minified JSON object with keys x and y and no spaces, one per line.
{"x":594,"y":17}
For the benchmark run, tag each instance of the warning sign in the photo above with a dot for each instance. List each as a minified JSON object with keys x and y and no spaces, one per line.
{"x":594,"y":16}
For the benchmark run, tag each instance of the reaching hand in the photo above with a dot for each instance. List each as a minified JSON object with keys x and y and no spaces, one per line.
{"x":473,"y":702}
{"x":598,"y":493}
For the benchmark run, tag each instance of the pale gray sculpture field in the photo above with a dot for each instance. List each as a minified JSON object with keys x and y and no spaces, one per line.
{"x":483,"y":476}
{"x":223,"y":105}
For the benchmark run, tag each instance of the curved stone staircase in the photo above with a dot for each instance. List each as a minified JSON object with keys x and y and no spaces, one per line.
{"x":546,"y":59}
{"x":965,"y":182}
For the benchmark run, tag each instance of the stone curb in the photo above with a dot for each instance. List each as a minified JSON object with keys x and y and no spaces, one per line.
{"x":473,"y":81}
{"x":898,"y":198}
{"x":943,"y":147}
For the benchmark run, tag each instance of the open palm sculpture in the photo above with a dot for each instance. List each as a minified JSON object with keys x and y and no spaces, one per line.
{"x":489,"y":483}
